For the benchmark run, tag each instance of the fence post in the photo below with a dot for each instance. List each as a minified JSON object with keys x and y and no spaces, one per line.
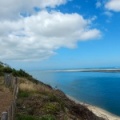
{"x":13,"y":110}
{"x":10,"y":113}
{"x":8,"y":80}
{"x":4,"y":116}
{"x":5,"y":81}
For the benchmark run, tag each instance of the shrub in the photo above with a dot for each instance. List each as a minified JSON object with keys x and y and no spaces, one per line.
{"x":51,"y":108}
{"x":30,"y":117}
{"x":23,"y":94}
{"x":47,"y":117}
{"x":54,"y":98}
{"x":26,"y":117}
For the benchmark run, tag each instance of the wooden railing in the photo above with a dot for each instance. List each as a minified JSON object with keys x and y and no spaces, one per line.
{"x":12,"y":83}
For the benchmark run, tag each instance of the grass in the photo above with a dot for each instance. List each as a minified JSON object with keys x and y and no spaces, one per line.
{"x":30,"y":117}
{"x":26,"y":117}
{"x":26,"y":85}
{"x":47,"y":117}
{"x":51,"y":108}
{"x":54,"y":98}
{"x":23,"y":94}
{"x":40,"y":102}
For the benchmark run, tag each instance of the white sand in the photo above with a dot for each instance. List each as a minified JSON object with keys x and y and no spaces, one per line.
{"x":97,"y":111}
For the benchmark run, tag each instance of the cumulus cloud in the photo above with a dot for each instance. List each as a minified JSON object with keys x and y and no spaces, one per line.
{"x":11,"y":9}
{"x":113,"y":5}
{"x":39,"y":35}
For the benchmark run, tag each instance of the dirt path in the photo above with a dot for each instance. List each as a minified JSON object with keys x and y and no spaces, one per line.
{"x":5,"y":98}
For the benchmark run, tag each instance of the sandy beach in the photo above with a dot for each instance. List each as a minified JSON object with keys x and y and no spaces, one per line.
{"x":97,"y":111}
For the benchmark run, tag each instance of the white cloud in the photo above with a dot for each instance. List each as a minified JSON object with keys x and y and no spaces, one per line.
{"x":11,"y":9}
{"x":39,"y":35}
{"x":113,"y":5}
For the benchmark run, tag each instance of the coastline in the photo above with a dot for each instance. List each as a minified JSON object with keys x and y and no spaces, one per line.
{"x":96,"y":110}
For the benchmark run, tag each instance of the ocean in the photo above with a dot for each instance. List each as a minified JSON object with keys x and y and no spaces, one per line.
{"x":95,"y":88}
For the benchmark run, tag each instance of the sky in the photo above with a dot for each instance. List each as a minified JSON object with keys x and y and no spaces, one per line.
{"x":60,"y":34}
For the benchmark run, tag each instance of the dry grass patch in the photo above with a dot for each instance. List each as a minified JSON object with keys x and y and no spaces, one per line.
{"x":26,"y":85}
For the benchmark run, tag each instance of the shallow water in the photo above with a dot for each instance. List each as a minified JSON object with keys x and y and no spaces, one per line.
{"x":95,"y":88}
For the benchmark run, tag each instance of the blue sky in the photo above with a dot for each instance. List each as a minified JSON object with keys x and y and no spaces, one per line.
{"x":59,"y":34}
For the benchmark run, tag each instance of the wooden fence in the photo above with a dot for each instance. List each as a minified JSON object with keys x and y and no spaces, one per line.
{"x":11,"y":82}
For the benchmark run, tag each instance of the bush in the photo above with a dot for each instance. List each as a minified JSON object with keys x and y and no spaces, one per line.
{"x":51,"y":108}
{"x":30,"y":117}
{"x":26,"y":117}
{"x":54,"y":98}
{"x":23,"y":94}
{"x":47,"y":117}
{"x":7,"y":70}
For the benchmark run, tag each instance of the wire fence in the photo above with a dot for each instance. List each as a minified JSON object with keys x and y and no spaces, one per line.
{"x":12,"y":83}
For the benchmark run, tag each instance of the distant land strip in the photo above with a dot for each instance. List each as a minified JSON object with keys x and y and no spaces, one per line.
{"x":84,"y":70}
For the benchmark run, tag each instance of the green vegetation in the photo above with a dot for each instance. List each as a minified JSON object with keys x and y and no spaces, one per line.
{"x":47,"y":117}
{"x":30,"y":117}
{"x":26,"y":117}
{"x":4,"y":68}
{"x":38,"y":101}
{"x":51,"y":108}
{"x":23,"y":94}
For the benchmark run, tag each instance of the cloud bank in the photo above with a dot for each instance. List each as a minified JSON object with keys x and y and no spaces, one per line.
{"x":113,"y":5}
{"x":11,"y":9}
{"x":37,"y":36}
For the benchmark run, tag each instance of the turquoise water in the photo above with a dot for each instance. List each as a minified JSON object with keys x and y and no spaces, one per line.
{"x":95,"y":88}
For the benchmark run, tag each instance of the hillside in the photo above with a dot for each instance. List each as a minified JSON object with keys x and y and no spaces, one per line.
{"x":38,"y":101}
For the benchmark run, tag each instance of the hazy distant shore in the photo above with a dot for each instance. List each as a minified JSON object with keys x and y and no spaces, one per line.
{"x":114,"y":70}
{"x":97,"y":111}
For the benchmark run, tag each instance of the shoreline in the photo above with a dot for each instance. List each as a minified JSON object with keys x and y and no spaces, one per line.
{"x":96,"y":110}
{"x":107,"y":70}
